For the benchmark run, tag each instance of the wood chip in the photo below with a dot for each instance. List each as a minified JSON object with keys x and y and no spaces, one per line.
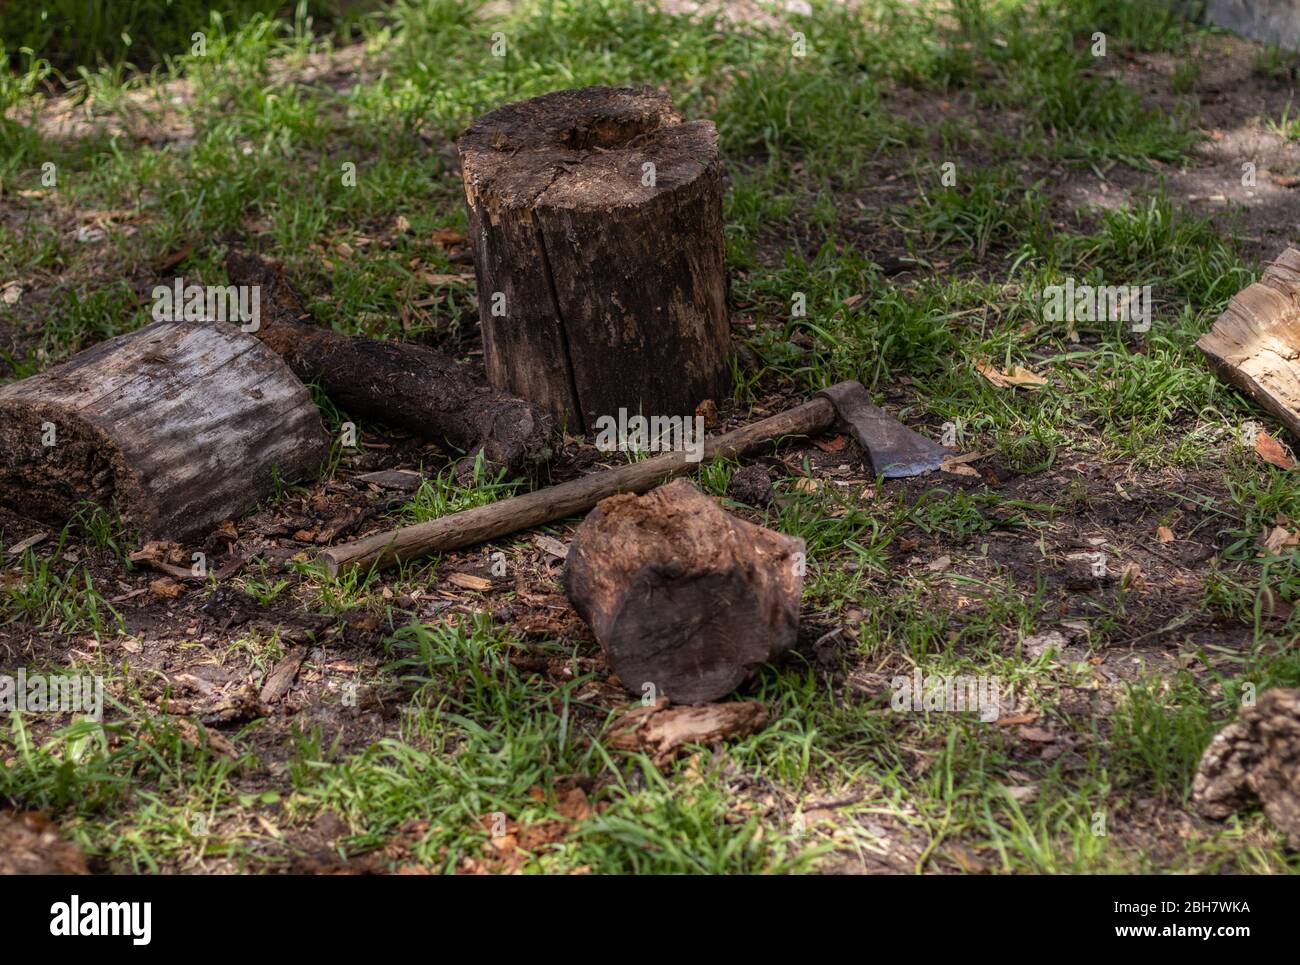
{"x":662,"y":731}
{"x":468,"y":581}
{"x":26,"y":544}
{"x":405,"y":480}
{"x":551,"y":545}
{"x":280,"y":680}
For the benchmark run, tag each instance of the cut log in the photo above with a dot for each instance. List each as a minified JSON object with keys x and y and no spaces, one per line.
{"x":176,"y":427}
{"x":1256,"y":759}
{"x":1255,"y":344}
{"x":596,"y":217}
{"x":411,"y":386}
{"x":682,"y":595}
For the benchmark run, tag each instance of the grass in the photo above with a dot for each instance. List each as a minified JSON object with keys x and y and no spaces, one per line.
{"x":261,"y":149}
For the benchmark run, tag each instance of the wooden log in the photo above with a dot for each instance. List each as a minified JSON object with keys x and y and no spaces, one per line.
{"x":1255,"y":344}
{"x":176,"y":427}
{"x":483,"y":523}
{"x":682,"y":595}
{"x":411,"y":386}
{"x":596,"y":217}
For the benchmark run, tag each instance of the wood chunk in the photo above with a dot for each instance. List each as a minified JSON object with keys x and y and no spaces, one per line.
{"x":683,"y":595}
{"x":176,"y":427}
{"x":661,"y":731}
{"x":596,"y":216}
{"x":1256,"y":759}
{"x":1255,"y":344}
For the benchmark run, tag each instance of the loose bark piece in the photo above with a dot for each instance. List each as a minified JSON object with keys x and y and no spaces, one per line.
{"x":1256,"y":759}
{"x":681,"y":594}
{"x":596,"y":216}
{"x":662,"y":731}
{"x":280,"y":680}
{"x":412,"y":386}
{"x":482,"y":523}
{"x":177,"y":427}
{"x":1255,"y":344}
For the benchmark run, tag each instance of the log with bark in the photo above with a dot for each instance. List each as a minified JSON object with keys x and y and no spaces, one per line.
{"x":682,"y":595}
{"x":411,"y":386}
{"x":176,"y":427}
{"x":596,"y":218}
{"x":1255,"y":344}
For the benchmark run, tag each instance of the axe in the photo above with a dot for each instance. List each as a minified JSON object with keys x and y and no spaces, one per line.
{"x":894,"y":451}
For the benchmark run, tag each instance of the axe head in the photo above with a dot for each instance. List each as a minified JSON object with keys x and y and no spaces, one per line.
{"x":895,"y":450}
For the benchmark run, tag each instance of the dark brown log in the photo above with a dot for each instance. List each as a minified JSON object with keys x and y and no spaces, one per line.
{"x":1255,"y":344}
{"x":412,"y":386}
{"x":176,"y":427}
{"x":601,"y":282}
{"x":567,"y":499}
{"x":682,"y":595}
{"x":1256,"y":759}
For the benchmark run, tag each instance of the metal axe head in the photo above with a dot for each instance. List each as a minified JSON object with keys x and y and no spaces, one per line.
{"x":894,"y":449}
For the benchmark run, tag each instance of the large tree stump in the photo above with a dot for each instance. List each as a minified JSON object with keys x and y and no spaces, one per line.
{"x":177,"y":427}
{"x":683,"y":595}
{"x":596,"y":217}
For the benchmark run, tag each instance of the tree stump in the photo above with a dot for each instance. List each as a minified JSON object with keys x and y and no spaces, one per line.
{"x":596,"y":216}
{"x":681,"y":594}
{"x":177,"y":427}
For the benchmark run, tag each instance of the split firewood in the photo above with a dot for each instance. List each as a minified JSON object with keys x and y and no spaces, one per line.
{"x":1255,"y":344}
{"x":682,"y":596}
{"x":176,"y":427}
{"x":596,"y":216}
{"x":1256,"y":759}
{"x":412,"y":386}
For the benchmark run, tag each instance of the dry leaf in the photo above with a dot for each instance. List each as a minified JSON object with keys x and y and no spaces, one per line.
{"x":1003,"y":379}
{"x":805,"y":485}
{"x":708,"y":411}
{"x":939,"y":565}
{"x":166,"y":587}
{"x":1037,"y":735}
{"x":834,"y":444}
{"x":1278,"y":538}
{"x":1164,"y":534}
{"x":446,"y":237}
{"x":401,"y":225}
{"x":956,"y":465}
{"x":12,"y":292}
{"x":1272,"y":451}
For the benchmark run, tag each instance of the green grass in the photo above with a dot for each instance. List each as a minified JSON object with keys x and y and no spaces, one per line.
{"x":886,"y":95}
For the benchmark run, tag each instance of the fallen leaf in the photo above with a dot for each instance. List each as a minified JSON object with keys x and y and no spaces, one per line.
{"x":956,"y":465}
{"x":805,"y":485}
{"x":401,"y":225}
{"x":1041,"y":643}
{"x":166,"y":588}
{"x":429,"y":278}
{"x":939,"y":565}
{"x":708,"y":411}
{"x":1164,"y":534}
{"x":1037,"y":735}
{"x":1272,"y":451}
{"x":1285,"y":180}
{"x":1278,"y":538}
{"x":853,"y":300}
{"x":12,"y":292}
{"x":1017,"y":376}
{"x":834,"y":444}
{"x":446,"y":237}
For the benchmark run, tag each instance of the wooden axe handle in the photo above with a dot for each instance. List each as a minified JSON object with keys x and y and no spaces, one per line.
{"x":567,"y":499}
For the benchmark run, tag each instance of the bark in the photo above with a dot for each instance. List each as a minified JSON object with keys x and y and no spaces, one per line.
{"x":176,"y":427}
{"x":1256,"y":759}
{"x":411,"y":386}
{"x":602,"y":284}
{"x":682,"y":595}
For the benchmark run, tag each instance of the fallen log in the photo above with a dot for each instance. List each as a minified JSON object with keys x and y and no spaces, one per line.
{"x":411,"y":386}
{"x":176,"y":427}
{"x":682,"y":596}
{"x":596,"y":217}
{"x":1256,"y":759}
{"x":1255,"y":344}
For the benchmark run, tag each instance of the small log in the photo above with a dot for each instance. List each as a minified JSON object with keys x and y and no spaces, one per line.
{"x":596,"y":218}
{"x":1256,"y":759}
{"x":1255,"y":344}
{"x":682,"y":595}
{"x":176,"y":427}
{"x":412,"y":386}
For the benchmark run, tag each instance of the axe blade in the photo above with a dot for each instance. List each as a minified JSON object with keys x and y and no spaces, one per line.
{"x":894,"y":449}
